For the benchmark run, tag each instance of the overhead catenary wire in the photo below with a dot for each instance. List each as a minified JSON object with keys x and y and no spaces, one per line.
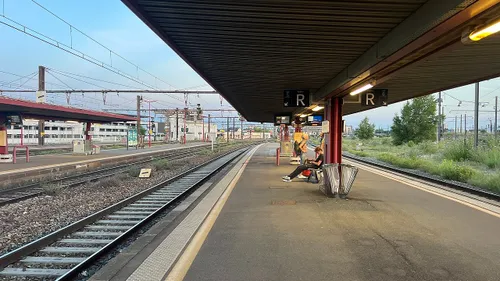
{"x":90,"y":78}
{"x":4,"y":83}
{"x":50,"y":73}
{"x":37,"y":35}
{"x":102,"y":45}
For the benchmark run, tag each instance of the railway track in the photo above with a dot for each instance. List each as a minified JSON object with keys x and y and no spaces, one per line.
{"x":62,"y":254}
{"x":427,"y":178}
{"x":16,"y":194}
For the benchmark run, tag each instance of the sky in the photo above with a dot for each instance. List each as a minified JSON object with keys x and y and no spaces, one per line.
{"x":113,"y":25}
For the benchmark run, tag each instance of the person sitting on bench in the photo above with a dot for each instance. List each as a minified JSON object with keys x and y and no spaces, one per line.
{"x":308,"y":165}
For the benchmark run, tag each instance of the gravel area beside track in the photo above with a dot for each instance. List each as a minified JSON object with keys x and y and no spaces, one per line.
{"x":30,"y":219}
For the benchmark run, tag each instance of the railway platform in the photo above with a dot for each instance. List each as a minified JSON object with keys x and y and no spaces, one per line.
{"x":42,"y":164}
{"x":253,"y":226}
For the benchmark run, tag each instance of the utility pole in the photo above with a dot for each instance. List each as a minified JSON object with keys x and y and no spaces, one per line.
{"x":138,"y":125}
{"x":241,"y":128}
{"x":476,"y":116}
{"x":149,"y":121}
{"x":209,"y":126}
{"x":465,"y":126}
{"x":233,"y":128}
{"x":461,"y":128}
{"x":177,"y":124}
{"x":41,"y":98}
{"x":185,"y":116}
{"x":439,"y":118}
{"x":227,"y":133}
{"x":455,"y":127}
{"x":496,"y":116}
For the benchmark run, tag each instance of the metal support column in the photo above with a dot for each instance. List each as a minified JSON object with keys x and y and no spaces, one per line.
{"x":234,"y":127}
{"x":476,"y":117}
{"x":177,"y":124}
{"x":440,"y":120}
{"x":227,"y":131}
{"x":209,"y":127}
{"x":185,"y":116}
{"x":496,"y":116}
{"x":138,"y":122}
{"x":41,"y":88}
{"x":455,"y":131}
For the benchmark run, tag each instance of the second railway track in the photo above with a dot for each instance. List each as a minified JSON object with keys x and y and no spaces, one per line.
{"x":62,"y":254}
{"x":16,"y":194}
{"x":436,"y":182}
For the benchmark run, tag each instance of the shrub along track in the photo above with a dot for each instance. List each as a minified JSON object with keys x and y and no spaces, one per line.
{"x":426,"y":177}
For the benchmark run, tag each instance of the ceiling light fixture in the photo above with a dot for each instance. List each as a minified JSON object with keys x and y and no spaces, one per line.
{"x":485,"y":31}
{"x":362,"y":89}
{"x":303,"y":115}
{"x":318,"y":108}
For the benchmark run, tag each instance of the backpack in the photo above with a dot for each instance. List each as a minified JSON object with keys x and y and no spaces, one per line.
{"x":296,"y":148}
{"x":304,"y":148}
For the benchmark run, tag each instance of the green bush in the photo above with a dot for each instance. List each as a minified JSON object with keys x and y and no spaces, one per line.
{"x":488,"y":181}
{"x":386,"y":141}
{"x":489,"y":156}
{"x":161,"y":164}
{"x":360,"y":153}
{"x":133,"y":171}
{"x":451,"y":171}
{"x":428,"y":147}
{"x":400,"y":161}
{"x":458,"y":151}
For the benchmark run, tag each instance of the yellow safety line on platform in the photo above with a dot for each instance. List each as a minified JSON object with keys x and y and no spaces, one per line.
{"x":92,"y":160}
{"x":439,"y":192}
{"x":182,"y":266}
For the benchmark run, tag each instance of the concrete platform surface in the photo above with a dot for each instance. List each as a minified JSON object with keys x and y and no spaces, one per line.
{"x":387,"y":230}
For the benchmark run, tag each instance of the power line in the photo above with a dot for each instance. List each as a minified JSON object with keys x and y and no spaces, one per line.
{"x":59,"y":79}
{"x":89,"y":83}
{"x":37,"y":35}
{"x":100,"y":44}
{"x":90,"y":78}
{"x":491,"y":92}
{"x":15,"y":80}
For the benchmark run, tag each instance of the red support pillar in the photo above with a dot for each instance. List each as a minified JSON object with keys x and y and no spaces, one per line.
{"x":87,"y":131}
{"x":334,"y":144}
{"x":4,"y":142}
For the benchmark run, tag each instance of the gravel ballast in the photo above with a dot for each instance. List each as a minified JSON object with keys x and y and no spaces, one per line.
{"x":27,"y":220}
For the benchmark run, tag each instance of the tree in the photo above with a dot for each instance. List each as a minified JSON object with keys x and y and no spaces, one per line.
{"x":365,"y":130}
{"x":417,"y":123}
{"x":142,"y":130}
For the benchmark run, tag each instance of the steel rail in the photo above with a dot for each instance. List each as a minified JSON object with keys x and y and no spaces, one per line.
{"x":172,"y":189}
{"x":36,"y":189}
{"x":448,"y":183}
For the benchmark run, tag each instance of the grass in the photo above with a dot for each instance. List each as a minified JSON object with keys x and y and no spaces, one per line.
{"x":450,"y":159}
{"x":133,"y":171}
{"x":161,"y":164}
{"x":109,"y":181}
{"x":52,"y":189}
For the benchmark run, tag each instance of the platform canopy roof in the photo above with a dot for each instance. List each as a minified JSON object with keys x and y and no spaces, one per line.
{"x":251,"y":51}
{"x":44,"y":111}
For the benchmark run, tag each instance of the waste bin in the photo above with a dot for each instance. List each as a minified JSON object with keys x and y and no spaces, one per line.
{"x":334,"y":183}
